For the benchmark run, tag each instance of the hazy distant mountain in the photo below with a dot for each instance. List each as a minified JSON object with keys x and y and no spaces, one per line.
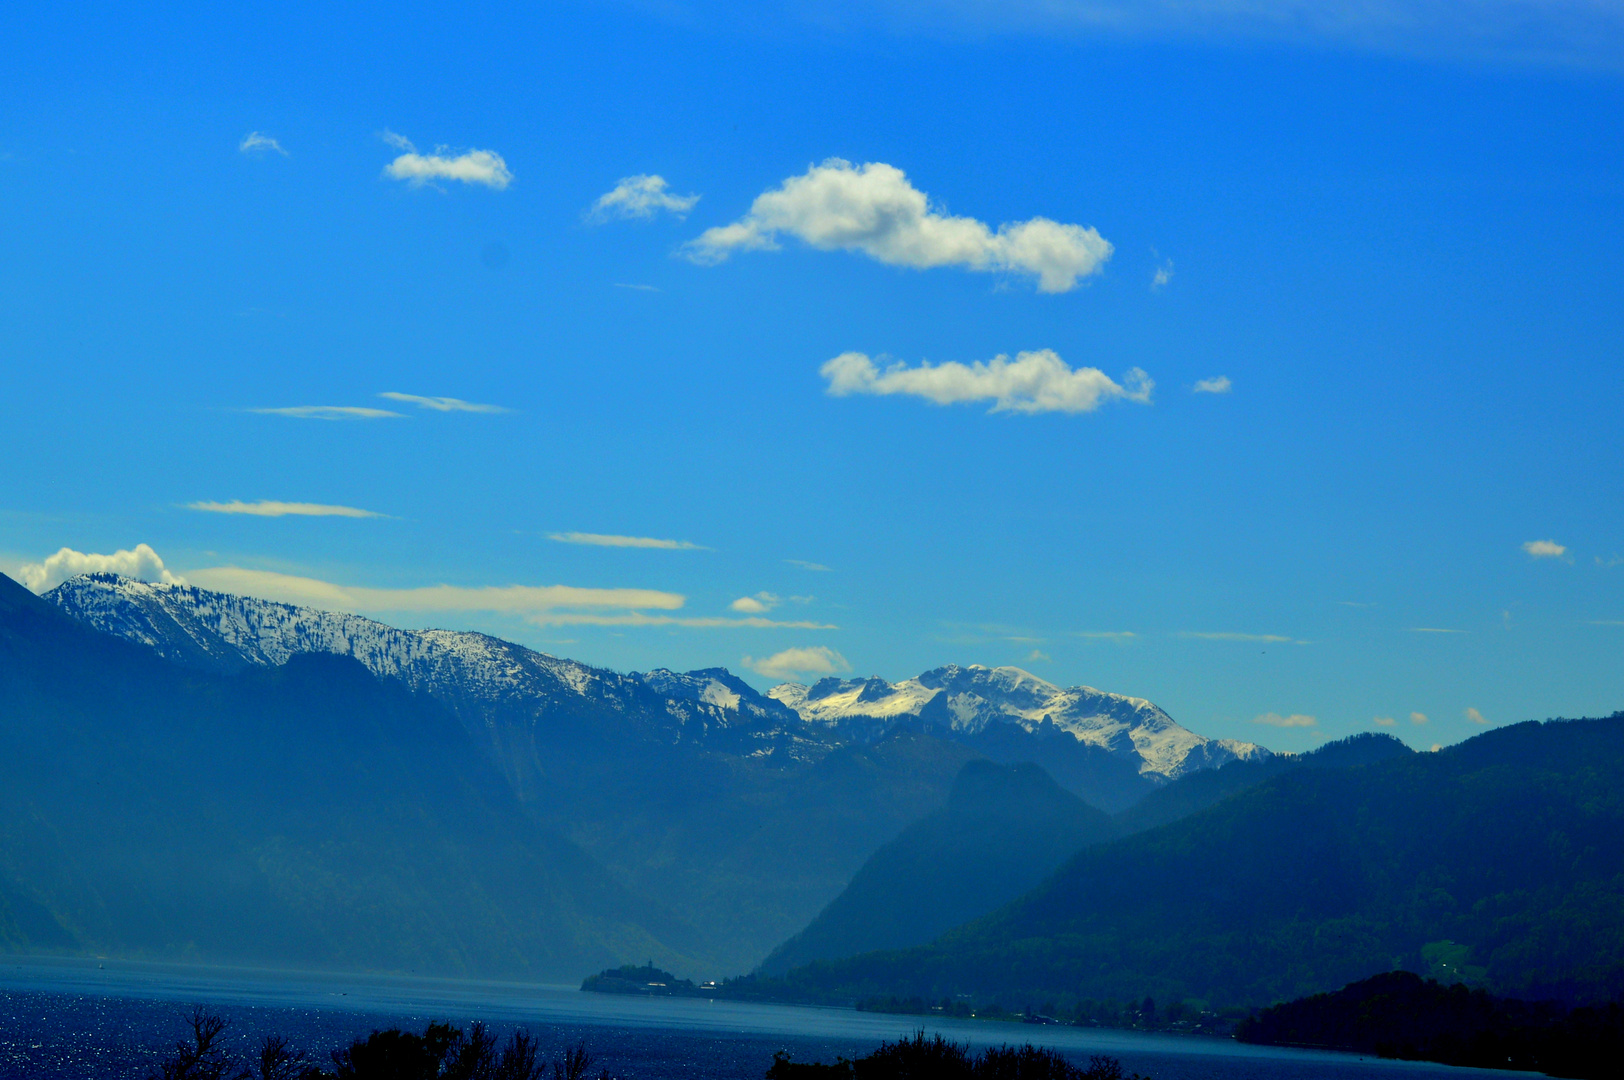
{"x":1004,"y":829}
{"x":1508,"y":850}
{"x":307,"y":815}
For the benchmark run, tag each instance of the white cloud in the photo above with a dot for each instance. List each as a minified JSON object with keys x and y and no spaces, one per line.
{"x":1295,"y":720}
{"x":640,"y":197}
{"x":804,"y":565}
{"x":270,"y":508}
{"x":1120,"y":635}
{"x":1544,"y":549}
{"x":1033,"y":382}
{"x":1385,"y":721}
{"x":872,"y":208}
{"x":1418,"y":718}
{"x":1164,"y":274}
{"x":1475,"y":717}
{"x":329,"y":412}
{"x":759,"y":604}
{"x":608,"y":540}
{"x":511,"y":599}
{"x":1265,"y":638}
{"x":1037,"y":655}
{"x":470,"y":167}
{"x":442,"y":404}
{"x":817,"y":660}
{"x":1218,"y":384}
{"x":254,"y":142}
{"x":142,"y":562}
{"x":702,"y":622}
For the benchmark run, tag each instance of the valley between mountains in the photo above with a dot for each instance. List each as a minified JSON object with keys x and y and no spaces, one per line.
{"x":190,"y":775}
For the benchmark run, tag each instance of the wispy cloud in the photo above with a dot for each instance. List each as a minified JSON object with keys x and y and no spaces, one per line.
{"x":329,"y":412}
{"x":1033,"y":382}
{"x":638,"y":288}
{"x":1218,"y":384}
{"x":1355,"y":603}
{"x":1475,"y":717}
{"x":526,"y":600}
{"x":1433,"y":630}
{"x":1270,"y":639}
{"x":872,"y":208}
{"x":254,"y":142}
{"x":1295,"y":720}
{"x":1385,"y":721}
{"x":804,"y":565}
{"x":269,"y":508}
{"x":1418,"y":718}
{"x":138,"y":562}
{"x":442,"y":404}
{"x":1038,"y":656}
{"x":697,"y":622}
{"x":759,"y":604}
{"x":1544,"y":549}
{"x":1117,"y":635}
{"x":640,"y":197}
{"x":609,"y":540}
{"x":816,"y":660}
{"x":1163,"y":275}
{"x":484,"y":167}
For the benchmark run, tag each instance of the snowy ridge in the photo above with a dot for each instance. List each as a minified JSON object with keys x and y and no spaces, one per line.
{"x":965,"y":700}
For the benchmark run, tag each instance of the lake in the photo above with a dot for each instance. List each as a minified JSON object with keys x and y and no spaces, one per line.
{"x":82,"y":1020}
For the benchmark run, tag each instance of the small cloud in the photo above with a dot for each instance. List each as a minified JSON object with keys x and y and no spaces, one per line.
{"x":1117,"y":635}
{"x":1475,"y":717}
{"x":255,"y":143}
{"x":817,"y":660}
{"x":442,"y":404}
{"x":1164,"y":274}
{"x":1418,"y":718}
{"x":1267,"y":639}
{"x":1436,"y":747}
{"x":1385,"y":721}
{"x":639,"y":197}
{"x":1544,"y":549}
{"x":872,"y":208}
{"x":1354,"y":603}
{"x":1218,"y":384}
{"x":1608,"y":564}
{"x":608,"y":540}
{"x":140,"y":562}
{"x":759,"y":604}
{"x":638,"y":288}
{"x":329,"y":412}
{"x":1295,"y":720}
{"x":804,"y":565}
{"x":694,"y":622}
{"x":469,"y":167}
{"x":1037,"y":655}
{"x":268,"y":508}
{"x":1033,"y":382}
{"x":1433,"y":630}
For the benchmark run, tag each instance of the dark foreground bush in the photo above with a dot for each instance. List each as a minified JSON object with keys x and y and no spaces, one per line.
{"x":937,"y":1058}
{"x":441,"y":1052}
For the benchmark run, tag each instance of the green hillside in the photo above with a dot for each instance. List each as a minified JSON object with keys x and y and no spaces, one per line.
{"x":1510,"y":846}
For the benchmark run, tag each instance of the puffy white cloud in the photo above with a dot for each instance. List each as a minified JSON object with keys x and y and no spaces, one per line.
{"x":872,"y":208}
{"x":513,"y":599}
{"x":442,"y":404}
{"x":1418,"y":718}
{"x":1218,"y":384}
{"x":640,"y":197}
{"x":1295,"y":720}
{"x":1475,"y":717}
{"x":610,"y":540}
{"x":271,"y":508}
{"x":1544,"y":549}
{"x":329,"y":412}
{"x":254,"y":142}
{"x":469,"y":167}
{"x":141,"y":562}
{"x":759,"y":604}
{"x":1033,"y":382}
{"x":817,"y":660}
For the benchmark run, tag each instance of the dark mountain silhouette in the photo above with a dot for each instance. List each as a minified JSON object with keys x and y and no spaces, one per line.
{"x":1004,"y":829}
{"x":1508,"y":849}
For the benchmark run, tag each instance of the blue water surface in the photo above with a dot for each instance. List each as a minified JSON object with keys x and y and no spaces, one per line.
{"x":86,"y":1020}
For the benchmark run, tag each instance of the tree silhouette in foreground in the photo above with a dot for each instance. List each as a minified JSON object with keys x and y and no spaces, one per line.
{"x":937,"y":1058}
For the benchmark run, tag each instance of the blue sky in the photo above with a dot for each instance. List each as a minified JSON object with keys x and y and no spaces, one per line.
{"x":1393,"y":244}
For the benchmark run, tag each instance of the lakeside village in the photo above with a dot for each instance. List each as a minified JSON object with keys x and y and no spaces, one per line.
{"x":1175,"y":1017}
